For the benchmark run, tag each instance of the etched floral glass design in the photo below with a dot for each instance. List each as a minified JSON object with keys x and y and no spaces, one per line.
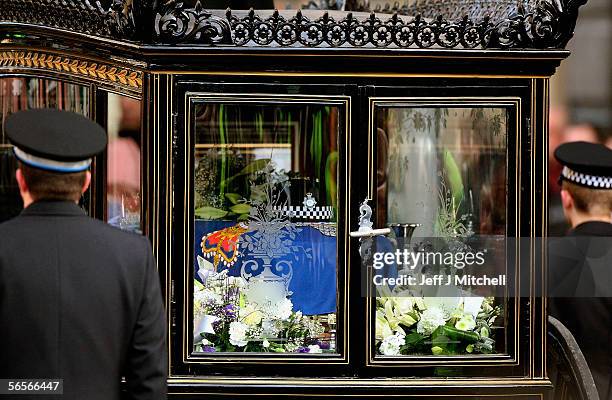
{"x":265,"y":187}
{"x":443,"y":172}
{"x":17,"y":94}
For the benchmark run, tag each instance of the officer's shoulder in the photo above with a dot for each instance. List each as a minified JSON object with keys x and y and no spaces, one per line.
{"x":10,"y":226}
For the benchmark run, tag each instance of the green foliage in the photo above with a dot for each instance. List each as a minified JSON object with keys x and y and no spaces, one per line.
{"x":234,"y":198}
{"x":453,"y":177}
{"x":316,"y":140}
{"x":210,"y":213}
{"x":449,"y":223}
{"x":251,"y":168}
{"x":241,"y":208}
{"x":331,"y":184}
{"x":415,"y":343}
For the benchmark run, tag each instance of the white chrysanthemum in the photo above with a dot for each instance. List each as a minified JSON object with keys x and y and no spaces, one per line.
{"x":314,"y":349}
{"x":237,"y":331}
{"x":390,"y":346}
{"x":265,"y":343}
{"x":431,"y":318}
{"x":466,"y":323}
{"x":284,"y":308}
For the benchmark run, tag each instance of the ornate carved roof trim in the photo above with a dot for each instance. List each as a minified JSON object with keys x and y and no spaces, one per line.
{"x":83,"y":16}
{"x":547,"y":25}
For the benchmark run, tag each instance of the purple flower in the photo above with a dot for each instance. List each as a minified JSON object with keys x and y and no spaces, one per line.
{"x":229,"y":311}
{"x":208,"y":349}
{"x":323,"y":345}
{"x":303,"y":350}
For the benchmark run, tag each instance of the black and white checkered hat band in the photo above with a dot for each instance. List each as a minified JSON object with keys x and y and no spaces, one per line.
{"x":324,"y":213}
{"x":592,"y":181}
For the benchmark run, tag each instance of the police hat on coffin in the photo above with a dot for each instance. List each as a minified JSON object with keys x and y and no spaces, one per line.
{"x":54,"y":140}
{"x":586,"y":164}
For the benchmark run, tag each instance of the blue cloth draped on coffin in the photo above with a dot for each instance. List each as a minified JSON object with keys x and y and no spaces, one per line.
{"x":383,"y":245}
{"x":314,"y":278}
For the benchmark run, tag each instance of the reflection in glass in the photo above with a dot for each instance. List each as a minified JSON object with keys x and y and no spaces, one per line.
{"x":445,"y":170}
{"x":18,"y":94}
{"x":123,"y":163}
{"x":265,"y":228}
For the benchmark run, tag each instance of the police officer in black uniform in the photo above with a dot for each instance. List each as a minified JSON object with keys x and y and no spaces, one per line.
{"x":79,"y":300}
{"x":580,"y":264}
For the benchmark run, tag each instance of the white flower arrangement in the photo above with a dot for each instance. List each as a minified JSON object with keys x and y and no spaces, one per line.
{"x":227,"y":319}
{"x":435,"y":325}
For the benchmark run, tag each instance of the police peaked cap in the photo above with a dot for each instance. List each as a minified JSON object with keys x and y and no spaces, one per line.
{"x":53,"y":140}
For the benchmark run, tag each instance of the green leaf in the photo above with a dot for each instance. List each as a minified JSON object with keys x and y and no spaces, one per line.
{"x":458,"y":335}
{"x":255,"y":166}
{"x":243,"y":217}
{"x":210,"y":213}
{"x":453,"y":174}
{"x":252,"y":167}
{"x":414,"y":338}
{"x":241,"y":208}
{"x":234,"y":198}
{"x":331,"y":164}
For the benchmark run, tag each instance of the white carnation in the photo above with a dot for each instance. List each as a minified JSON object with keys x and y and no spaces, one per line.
{"x":431,"y":318}
{"x":390,"y":346}
{"x":238,"y":331}
{"x":284,"y":308}
{"x":314,"y":349}
{"x":276,"y":310}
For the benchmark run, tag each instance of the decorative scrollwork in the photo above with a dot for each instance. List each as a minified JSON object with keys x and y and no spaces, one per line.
{"x":548,"y":25}
{"x":448,"y":24}
{"x":126,"y":77}
{"x":175,"y":24}
{"x":84,"y":16}
{"x":350,"y":31}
